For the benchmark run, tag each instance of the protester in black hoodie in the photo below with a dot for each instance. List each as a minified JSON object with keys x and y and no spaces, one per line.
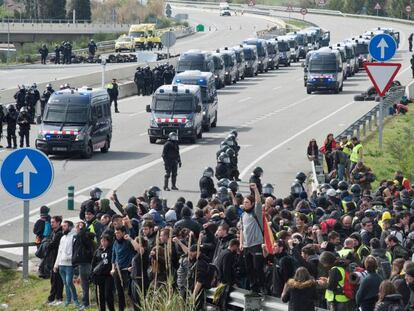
{"x":198,"y":276}
{"x":101,"y":274}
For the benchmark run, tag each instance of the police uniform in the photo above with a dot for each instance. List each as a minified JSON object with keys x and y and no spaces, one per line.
{"x":171,"y":157}
{"x":139,"y":81}
{"x":24,"y":128}
{"x":207,"y":188}
{"x":11,"y":120}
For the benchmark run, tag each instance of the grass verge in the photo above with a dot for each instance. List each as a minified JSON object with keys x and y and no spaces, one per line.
{"x":398,"y":148}
{"x":21,"y":295}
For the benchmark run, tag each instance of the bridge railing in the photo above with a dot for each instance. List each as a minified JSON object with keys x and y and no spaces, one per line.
{"x":45,"y":21}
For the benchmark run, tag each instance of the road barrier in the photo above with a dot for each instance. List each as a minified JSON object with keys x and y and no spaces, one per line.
{"x":71,"y":198}
{"x":240,"y":298}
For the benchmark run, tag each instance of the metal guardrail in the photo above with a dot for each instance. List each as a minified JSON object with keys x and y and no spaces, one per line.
{"x":240,"y":298}
{"x":44,"y":21}
{"x":13,"y":245}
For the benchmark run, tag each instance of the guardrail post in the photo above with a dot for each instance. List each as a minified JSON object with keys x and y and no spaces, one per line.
{"x":364,"y":128}
{"x":358,"y":134}
{"x":71,"y":198}
{"x":370,"y":124}
{"x":375,"y":119}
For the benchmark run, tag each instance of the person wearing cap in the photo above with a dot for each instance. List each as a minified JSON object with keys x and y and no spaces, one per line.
{"x":113,"y":93}
{"x":42,"y":227}
{"x":92,"y":224}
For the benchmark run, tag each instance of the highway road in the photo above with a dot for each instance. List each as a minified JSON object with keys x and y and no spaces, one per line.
{"x":274,"y":115}
{"x":241,"y":27}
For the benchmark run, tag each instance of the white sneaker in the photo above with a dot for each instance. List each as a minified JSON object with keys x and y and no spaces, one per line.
{"x":57,"y":302}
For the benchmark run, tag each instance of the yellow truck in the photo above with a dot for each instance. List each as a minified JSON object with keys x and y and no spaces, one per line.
{"x":145,"y":36}
{"x":125,"y":43}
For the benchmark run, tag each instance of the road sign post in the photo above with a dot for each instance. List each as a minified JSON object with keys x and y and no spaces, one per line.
{"x":26,"y":174}
{"x":381,"y":76}
{"x":168,"y":40}
{"x":377,"y":7}
{"x":303,"y":11}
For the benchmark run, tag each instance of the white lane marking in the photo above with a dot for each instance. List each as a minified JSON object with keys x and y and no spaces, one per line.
{"x":15,"y":250}
{"x":267,"y":153}
{"x":109,"y":183}
{"x":80,"y":198}
{"x":143,"y":134}
{"x":244,"y":100}
{"x":137,"y":113}
{"x":277,"y":88}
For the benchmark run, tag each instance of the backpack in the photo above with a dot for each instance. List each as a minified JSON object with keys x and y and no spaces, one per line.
{"x":47,"y":230}
{"x":384,"y":267}
{"x":349,"y":289}
{"x":328,"y":225}
{"x":212,"y":277}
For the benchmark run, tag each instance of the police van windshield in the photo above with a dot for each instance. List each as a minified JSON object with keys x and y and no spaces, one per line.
{"x":192,"y":62}
{"x":217,"y":62}
{"x":66,"y":114}
{"x":349,"y":53}
{"x":177,"y":104}
{"x":300,"y":40}
{"x":361,"y":49}
{"x":249,"y":54}
{"x":271,"y":49}
{"x":203,"y":88}
{"x":292,"y":44}
{"x":283,"y":46}
{"x":136,"y":34}
{"x":323,"y":64}
{"x":239,"y":57}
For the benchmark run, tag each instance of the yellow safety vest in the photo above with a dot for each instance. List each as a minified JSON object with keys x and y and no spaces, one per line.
{"x":360,"y":249}
{"x":347,"y":148}
{"x":343,"y":253}
{"x":355,"y":153}
{"x":389,"y":256}
{"x":330,"y":296}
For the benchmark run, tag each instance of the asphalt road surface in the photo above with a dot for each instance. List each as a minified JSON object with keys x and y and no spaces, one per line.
{"x":274,"y":115}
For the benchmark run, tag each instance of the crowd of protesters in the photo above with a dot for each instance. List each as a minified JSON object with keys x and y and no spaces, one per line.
{"x":343,"y":247}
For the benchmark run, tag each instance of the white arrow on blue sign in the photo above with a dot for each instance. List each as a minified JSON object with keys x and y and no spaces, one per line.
{"x":26,"y":173}
{"x":382,"y":47}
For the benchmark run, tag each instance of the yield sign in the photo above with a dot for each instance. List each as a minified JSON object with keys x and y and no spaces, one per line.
{"x":289,"y":8}
{"x":377,"y":6}
{"x":382,"y":75}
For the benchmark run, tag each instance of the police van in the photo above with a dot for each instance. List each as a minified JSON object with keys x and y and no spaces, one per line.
{"x":206,"y":82}
{"x":273,"y":52}
{"x":263,"y":56}
{"x":284,"y":51}
{"x":176,"y":108}
{"x":230,"y":65}
{"x":241,"y":62}
{"x":219,"y":72}
{"x":325,"y":71}
{"x":76,"y":121}
{"x":195,"y":60}
{"x":251,"y":58}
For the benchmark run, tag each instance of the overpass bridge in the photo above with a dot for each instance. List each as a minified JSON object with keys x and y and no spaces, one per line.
{"x":19,"y":32}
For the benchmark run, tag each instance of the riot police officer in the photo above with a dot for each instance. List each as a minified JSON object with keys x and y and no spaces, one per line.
{"x":158,"y":79}
{"x":171,"y":157}
{"x":148,"y":80}
{"x":168,"y":75}
{"x":297,"y":185}
{"x":255,"y":179}
{"x":44,"y":52}
{"x":45,"y":97}
{"x":11,"y":120}
{"x":234,"y":172}
{"x":234,"y":187}
{"x":268,"y":191}
{"x":1,"y":122}
{"x":223,"y":166}
{"x":206,"y":183}
{"x":57,"y":54}
{"x":139,"y":81}
{"x":20,"y":97}
{"x":24,"y":127}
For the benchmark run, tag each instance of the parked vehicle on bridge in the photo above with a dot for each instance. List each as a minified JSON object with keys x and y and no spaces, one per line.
{"x":76,"y":121}
{"x":224,"y":9}
{"x":125,"y":43}
{"x":176,"y":108}
{"x":325,"y":71}
{"x":206,"y":82}
{"x":143,"y":34}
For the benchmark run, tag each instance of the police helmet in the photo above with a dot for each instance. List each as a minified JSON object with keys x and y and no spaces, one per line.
{"x":268,"y":189}
{"x":258,"y":171}
{"x":301,"y":177}
{"x":233,"y":186}
{"x":231,"y":136}
{"x":23,"y":109}
{"x":295,"y":189}
{"x":223,"y":194}
{"x":223,"y":158}
{"x":229,"y":141}
{"x":173,"y":136}
{"x":34,"y":86}
{"x":48,"y":86}
{"x":235,"y":133}
{"x":343,"y":185}
{"x":23,"y":87}
{"x":334,"y":183}
{"x":95,"y":193}
{"x":355,"y":189}
{"x":154,"y":192}
{"x":208,"y":172}
{"x":224,"y":182}
{"x":10,"y":107}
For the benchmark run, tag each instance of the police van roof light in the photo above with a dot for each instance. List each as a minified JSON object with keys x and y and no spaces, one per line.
{"x":178,"y":80}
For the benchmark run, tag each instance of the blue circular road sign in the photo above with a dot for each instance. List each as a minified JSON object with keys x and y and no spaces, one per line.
{"x":382,"y":47}
{"x":26,"y":173}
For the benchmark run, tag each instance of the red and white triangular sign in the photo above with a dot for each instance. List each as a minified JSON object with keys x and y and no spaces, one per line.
{"x":382,"y":75}
{"x":289,"y":8}
{"x":377,"y":6}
